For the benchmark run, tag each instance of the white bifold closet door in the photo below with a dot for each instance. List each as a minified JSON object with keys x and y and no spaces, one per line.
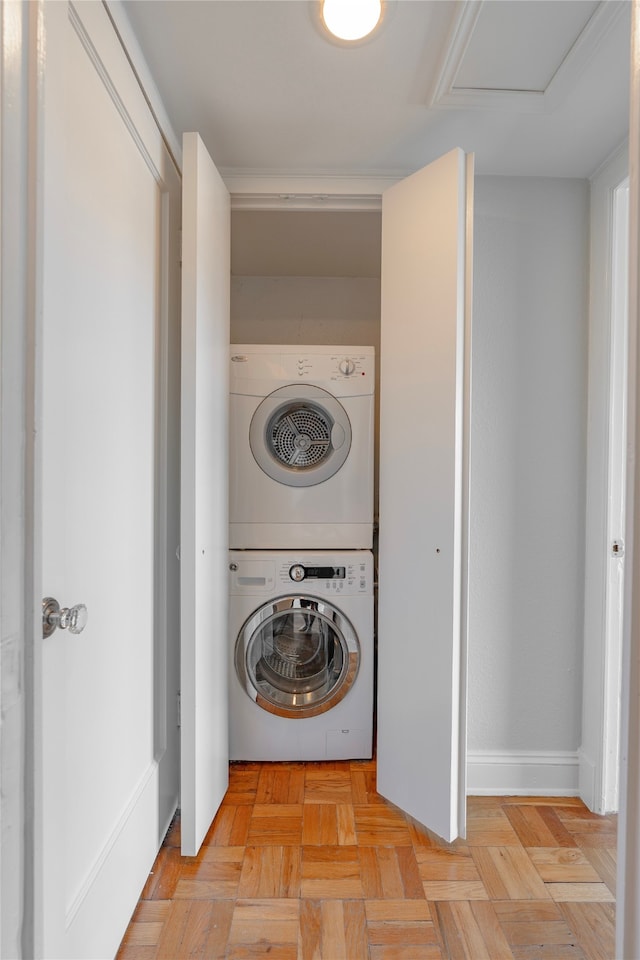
{"x":426,"y":259}
{"x":204,"y":492}
{"x":424,"y":401}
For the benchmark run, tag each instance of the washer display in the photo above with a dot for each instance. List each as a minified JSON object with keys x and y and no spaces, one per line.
{"x":301,"y":684}
{"x":301,"y":447}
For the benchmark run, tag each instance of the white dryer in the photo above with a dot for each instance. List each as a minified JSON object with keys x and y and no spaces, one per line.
{"x":301,"y":447}
{"x":301,"y":659}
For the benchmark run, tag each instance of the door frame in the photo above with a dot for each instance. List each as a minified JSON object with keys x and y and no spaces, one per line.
{"x":601,"y":677}
{"x":21,"y":79}
{"x":627,"y":914}
{"x":617,"y":468}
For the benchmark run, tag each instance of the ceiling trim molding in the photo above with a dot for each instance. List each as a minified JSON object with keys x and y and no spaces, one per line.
{"x":138,"y":63}
{"x":306,"y":202}
{"x":464,"y":24}
{"x":445,"y":94}
{"x":618,"y":156}
{"x":289,"y":192}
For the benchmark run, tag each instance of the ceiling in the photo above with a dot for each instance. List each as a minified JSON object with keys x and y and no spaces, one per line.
{"x":531,"y":87}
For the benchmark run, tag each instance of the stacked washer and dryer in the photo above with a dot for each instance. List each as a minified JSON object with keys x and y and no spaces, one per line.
{"x":301,"y":567}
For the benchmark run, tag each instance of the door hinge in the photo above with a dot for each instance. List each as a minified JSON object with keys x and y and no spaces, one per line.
{"x":178,"y":709}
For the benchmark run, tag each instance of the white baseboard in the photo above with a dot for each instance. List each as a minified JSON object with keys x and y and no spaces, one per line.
{"x":93,"y":930}
{"x":587,"y":781}
{"x":553,"y":773}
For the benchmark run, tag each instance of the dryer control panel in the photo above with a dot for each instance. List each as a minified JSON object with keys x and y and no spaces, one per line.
{"x":336,"y":366}
{"x":342,"y":370}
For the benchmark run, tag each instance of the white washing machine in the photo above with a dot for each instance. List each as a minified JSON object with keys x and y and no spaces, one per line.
{"x":301,"y":447}
{"x":302,"y":651}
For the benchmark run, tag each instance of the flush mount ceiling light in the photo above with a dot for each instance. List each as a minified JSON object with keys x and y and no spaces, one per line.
{"x":351,"y":19}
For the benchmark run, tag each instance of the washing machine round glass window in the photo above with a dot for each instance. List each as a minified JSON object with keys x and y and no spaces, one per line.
{"x":297,"y":657}
{"x":300,"y":435}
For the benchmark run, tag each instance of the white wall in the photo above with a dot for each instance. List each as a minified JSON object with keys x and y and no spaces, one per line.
{"x":528,"y":474}
{"x":305,"y":310}
{"x":527,"y":462}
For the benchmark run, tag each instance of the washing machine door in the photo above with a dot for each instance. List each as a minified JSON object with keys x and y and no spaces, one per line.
{"x":297,"y":656}
{"x":300,"y":435}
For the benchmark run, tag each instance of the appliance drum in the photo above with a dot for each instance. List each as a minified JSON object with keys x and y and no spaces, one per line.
{"x":300,"y":435}
{"x":297,"y":656}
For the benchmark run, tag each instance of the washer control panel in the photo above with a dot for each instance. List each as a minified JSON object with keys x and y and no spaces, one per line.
{"x":325,"y":577}
{"x":299,"y":573}
{"x":278,"y":573}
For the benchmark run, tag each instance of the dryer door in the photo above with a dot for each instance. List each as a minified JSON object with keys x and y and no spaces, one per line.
{"x":297,"y":656}
{"x":300,"y":435}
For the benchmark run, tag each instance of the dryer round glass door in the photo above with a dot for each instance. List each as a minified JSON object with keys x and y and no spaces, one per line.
{"x":297,"y":656}
{"x":300,"y":435}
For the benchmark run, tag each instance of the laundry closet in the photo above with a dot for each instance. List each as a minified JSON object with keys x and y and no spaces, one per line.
{"x":301,"y":499}
{"x":417,"y":315}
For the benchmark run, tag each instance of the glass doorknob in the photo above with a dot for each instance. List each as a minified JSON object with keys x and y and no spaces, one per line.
{"x":73,"y":619}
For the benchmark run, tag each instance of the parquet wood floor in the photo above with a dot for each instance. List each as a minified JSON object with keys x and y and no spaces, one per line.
{"x":305,"y":861}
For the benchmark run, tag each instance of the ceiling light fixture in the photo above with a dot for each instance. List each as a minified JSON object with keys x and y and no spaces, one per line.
{"x":351,"y":19}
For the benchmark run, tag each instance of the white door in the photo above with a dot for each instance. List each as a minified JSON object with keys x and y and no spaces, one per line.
{"x":204,"y":546}
{"x":424,"y":397}
{"x":108,"y":760}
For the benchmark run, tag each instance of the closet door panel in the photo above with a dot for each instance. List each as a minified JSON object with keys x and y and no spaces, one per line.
{"x":204,"y":492}
{"x":424,"y":398}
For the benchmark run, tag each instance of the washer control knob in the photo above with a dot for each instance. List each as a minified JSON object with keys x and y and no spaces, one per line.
{"x":347,"y":367}
{"x":297,"y":572}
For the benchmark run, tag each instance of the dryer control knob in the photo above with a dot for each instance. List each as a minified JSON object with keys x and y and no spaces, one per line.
{"x":297,"y":572}
{"x":347,"y":367}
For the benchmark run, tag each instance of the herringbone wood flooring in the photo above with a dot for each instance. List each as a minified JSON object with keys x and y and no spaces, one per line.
{"x":305,"y":861}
